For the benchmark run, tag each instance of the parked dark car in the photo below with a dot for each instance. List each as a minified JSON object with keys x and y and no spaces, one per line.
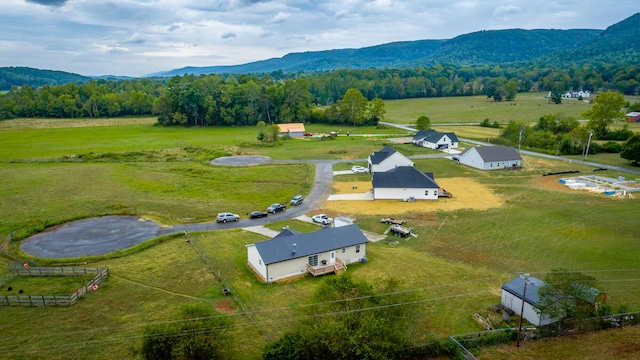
{"x":274,"y":208}
{"x":257,"y":214}
{"x":297,"y":200}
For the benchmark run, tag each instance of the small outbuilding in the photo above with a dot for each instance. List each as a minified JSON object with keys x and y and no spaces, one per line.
{"x":387,"y":159}
{"x":435,"y":140}
{"x":512,"y":299}
{"x":291,"y":253}
{"x":403,"y":183}
{"x":492,"y":157}
{"x":633,"y":116}
{"x":292,"y":129}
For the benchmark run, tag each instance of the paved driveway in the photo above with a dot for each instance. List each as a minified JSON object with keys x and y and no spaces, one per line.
{"x":104,"y":235}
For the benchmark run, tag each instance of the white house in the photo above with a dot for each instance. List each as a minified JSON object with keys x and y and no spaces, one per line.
{"x":491,"y":157}
{"x":404,"y":182}
{"x":387,"y":159}
{"x":435,"y":140}
{"x":292,"y":129}
{"x":291,"y":253}
{"x":512,"y":299}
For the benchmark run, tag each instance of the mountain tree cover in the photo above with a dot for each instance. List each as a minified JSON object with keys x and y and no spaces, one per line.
{"x":349,"y":319}
{"x":278,"y":97}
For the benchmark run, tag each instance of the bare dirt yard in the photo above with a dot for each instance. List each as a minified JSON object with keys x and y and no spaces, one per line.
{"x":467,"y":194}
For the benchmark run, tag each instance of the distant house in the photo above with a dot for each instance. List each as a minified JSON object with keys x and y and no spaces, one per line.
{"x":491,"y":157}
{"x":512,"y":299}
{"x":293,"y":129}
{"x":435,"y":140}
{"x":633,"y":116}
{"x":404,"y":182}
{"x":291,"y":253}
{"x":582,"y":94}
{"x":387,"y":159}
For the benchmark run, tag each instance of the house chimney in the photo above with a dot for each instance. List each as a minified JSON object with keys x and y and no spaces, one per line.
{"x":294,"y":248}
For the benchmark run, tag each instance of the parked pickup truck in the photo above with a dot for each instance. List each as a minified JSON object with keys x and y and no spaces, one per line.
{"x":389,"y":221}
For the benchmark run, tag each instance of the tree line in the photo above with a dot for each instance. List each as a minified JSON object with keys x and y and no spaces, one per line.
{"x":216,"y":100}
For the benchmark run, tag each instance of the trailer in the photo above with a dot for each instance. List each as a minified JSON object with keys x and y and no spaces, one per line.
{"x":400,"y":231}
{"x":390,"y":220}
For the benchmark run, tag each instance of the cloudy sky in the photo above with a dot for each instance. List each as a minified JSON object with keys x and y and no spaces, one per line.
{"x":138,"y":37}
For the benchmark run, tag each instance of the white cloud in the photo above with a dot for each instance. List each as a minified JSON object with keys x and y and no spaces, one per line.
{"x":136,"y":37}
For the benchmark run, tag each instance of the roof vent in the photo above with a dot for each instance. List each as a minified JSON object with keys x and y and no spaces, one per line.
{"x":294,"y":248}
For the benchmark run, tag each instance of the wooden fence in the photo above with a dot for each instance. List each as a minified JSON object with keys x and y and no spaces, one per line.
{"x":47,"y":300}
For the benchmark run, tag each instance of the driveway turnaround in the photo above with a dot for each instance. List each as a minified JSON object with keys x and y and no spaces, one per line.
{"x":104,"y":235}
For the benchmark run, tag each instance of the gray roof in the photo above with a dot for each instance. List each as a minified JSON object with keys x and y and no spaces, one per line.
{"x":495,"y":153}
{"x":404,"y":177}
{"x":434,"y":136}
{"x":516,"y":287}
{"x":281,"y":248}
{"x":379,"y":156}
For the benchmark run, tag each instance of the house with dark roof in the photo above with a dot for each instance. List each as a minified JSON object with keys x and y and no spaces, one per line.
{"x":292,"y":129}
{"x":291,"y":253}
{"x":435,"y":140}
{"x":491,"y":157}
{"x":404,"y":182}
{"x":512,"y":299}
{"x":387,"y":159}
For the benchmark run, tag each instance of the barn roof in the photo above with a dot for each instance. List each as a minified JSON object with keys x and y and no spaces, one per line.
{"x":289,"y":245}
{"x":516,"y":288}
{"x":404,"y":177}
{"x":292,"y":127}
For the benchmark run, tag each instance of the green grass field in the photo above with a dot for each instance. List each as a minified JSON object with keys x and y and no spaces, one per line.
{"x":456,"y":264}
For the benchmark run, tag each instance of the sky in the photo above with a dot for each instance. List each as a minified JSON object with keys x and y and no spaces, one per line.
{"x":140,"y":37}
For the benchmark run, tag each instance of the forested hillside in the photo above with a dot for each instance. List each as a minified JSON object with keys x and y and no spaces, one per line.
{"x":18,"y":76}
{"x":280,"y":96}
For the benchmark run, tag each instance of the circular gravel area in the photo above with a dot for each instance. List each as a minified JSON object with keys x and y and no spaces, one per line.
{"x":240,"y":160}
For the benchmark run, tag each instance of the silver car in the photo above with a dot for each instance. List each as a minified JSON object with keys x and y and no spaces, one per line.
{"x":227,"y":216}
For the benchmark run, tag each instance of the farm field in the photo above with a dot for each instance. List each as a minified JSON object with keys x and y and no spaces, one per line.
{"x":511,"y":221}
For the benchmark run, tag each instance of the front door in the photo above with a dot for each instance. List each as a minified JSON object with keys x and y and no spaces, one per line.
{"x":332,"y":258}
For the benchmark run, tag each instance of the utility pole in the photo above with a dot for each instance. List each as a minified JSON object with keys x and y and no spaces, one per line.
{"x":519,"y":138}
{"x":525,"y":278}
{"x":589,"y":143}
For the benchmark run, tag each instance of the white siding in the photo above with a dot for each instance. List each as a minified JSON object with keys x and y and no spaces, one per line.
{"x":298,"y":266}
{"x":255,"y":261}
{"x":472,"y":158}
{"x":395,"y":160}
{"x":514,"y":303}
{"x":402,"y":194}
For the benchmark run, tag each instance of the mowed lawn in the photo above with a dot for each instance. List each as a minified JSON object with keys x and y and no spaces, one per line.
{"x":455,"y":265}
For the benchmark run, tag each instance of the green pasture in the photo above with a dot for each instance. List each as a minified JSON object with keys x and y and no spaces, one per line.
{"x":456,"y":264}
{"x":527,"y":107}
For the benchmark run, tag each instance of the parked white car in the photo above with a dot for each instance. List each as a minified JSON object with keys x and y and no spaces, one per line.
{"x":359,"y":169}
{"x":322,"y":219}
{"x":227,"y":216}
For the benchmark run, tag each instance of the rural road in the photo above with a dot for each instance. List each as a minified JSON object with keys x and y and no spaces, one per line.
{"x":103,"y":235}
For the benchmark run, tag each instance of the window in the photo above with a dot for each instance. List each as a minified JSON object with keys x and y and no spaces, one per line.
{"x":313,"y":260}
{"x":357,"y":249}
{"x":344,"y":250}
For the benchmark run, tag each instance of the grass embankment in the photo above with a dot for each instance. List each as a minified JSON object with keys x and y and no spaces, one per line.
{"x":456,"y":264}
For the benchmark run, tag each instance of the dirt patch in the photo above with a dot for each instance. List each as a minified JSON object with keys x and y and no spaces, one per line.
{"x":552,"y":182}
{"x":225,"y":307}
{"x":467,"y":194}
